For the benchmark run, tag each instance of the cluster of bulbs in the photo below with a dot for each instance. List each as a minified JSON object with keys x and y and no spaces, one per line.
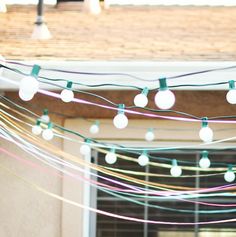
{"x":47,"y":133}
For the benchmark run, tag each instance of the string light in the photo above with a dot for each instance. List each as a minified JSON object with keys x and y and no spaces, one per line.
{"x":36,"y":129}
{"x":231,"y":94}
{"x":67,"y":95}
{"x":205,"y":133}
{"x":229,"y":176}
{"x":85,"y":148}
{"x":164,"y":98}
{"x":149,"y":135}
{"x":29,"y":85}
{"x":204,"y":162}
{"x":120,"y":121}
{"x":45,"y":117}
{"x":48,"y":133}
{"x":141,"y":99}
{"x":175,"y":170}
{"x":111,"y":157}
{"x":143,"y":159}
{"x":94,"y":129}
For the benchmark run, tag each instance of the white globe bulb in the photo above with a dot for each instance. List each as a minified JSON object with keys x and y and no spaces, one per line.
{"x":229,"y":176}
{"x":164,"y":99}
{"x":206,"y":134}
{"x":143,"y":160}
{"x":45,"y":118}
{"x":29,"y":85}
{"x":47,"y":134}
{"x":141,"y":100}
{"x":67,"y":95}
{"x":231,"y":96}
{"x":94,"y":129}
{"x":25,"y":96}
{"x":111,"y":158}
{"x":149,"y":136}
{"x":204,"y":162}
{"x":120,"y":121}
{"x":85,"y":149}
{"x":176,"y":171}
{"x":36,"y":129}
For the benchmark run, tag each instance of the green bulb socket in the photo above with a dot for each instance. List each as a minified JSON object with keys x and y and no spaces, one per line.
{"x":145,"y":91}
{"x":145,"y":153}
{"x":204,"y":122}
{"x":231,"y":85}
{"x":35,"y":71}
{"x":121,"y":108}
{"x":150,"y":130}
{"x":45,"y":112}
{"x":174,"y":162}
{"x":112,"y":150}
{"x":205,"y":154}
{"x":163,"y":84}
{"x":69,"y":84}
{"x":230,"y":168}
{"x":97,"y":123}
{"x":38,"y":122}
{"x":50,"y":125}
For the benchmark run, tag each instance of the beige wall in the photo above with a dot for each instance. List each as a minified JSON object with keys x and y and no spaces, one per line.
{"x":25,"y":212}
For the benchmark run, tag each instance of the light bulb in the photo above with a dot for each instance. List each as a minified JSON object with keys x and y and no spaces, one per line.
{"x":204,"y":162}
{"x":164,"y":99}
{"x":111,"y":157}
{"x":206,"y":134}
{"x":67,"y":95}
{"x":85,"y":149}
{"x":47,"y":134}
{"x":120,"y":121}
{"x":29,"y":85}
{"x":45,"y":118}
{"x":175,"y":170}
{"x":25,"y":96}
{"x":143,"y":160}
{"x":229,"y":176}
{"x":36,"y":129}
{"x":231,"y":96}
{"x":149,"y":135}
{"x":141,"y":99}
{"x":94,"y":129}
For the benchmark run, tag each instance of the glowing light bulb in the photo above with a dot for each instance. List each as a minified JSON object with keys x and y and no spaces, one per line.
{"x":231,"y":95}
{"x":175,"y":170}
{"x":48,"y":133}
{"x":204,"y":162}
{"x":36,"y":129}
{"x":120,"y":121}
{"x":67,"y":95}
{"x":141,"y":99}
{"x":143,"y":159}
{"x":85,"y":149}
{"x":111,"y":157}
{"x":29,"y":85}
{"x":149,"y":135}
{"x":164,"y":98}
{"x":25,"y":96}
{"x":205,"y":133}
{"x":45,"y":117}
{"x":229,"y":176}
{"x":94,"y":129}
